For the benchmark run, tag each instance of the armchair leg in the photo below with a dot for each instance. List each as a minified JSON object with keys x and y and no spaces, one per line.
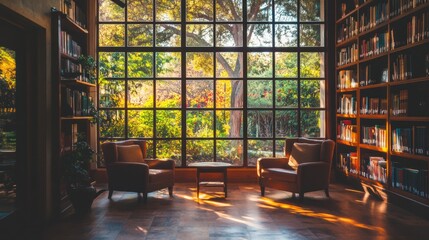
{"x":262,"y":187}
{"x":293,"y":196}
{"x":301,"y":196}
{"x":145,"y":197}
{"x":110,"y":194}
{"x":170,"y":191}
{"x":327,"y":192}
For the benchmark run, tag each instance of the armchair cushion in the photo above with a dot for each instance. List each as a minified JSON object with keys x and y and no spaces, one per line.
{"x":129,"y":153}
{"x":280,"y":174}
{"x":302,"y":153}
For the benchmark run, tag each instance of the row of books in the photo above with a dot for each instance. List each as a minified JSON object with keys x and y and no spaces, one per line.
{"x":69,"y":46}
{"x":76,"y":103}
{"x":348,"y":54}
{"x":374,"y":135}
{"x":347,"y":29}
{"x":347,"y":79}
{"x":402,"y":67}
{"x":347,"y":104}
{"x":70,"y":69}
{"x":418,"y":28}
{"x":69,"y":137}
{"x":397,"y":7}
{"x":373,"y":16}
{"x":374,"y":168}
{"x":349,"y":162}
{"x":347,"y":131}
{"x":400,"y":103}
{"x":74,"y":12}
{"x":414,"y":180}
{"x":374,"y":45}
{"x":372,"y":74}
{"x":414,"y":140}
{"x":370,"y":105}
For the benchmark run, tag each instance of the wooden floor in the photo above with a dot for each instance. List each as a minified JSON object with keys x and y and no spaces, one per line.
{"x":349,"y":214}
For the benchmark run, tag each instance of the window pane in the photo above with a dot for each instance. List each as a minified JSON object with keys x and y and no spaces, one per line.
{"x":140,"y":35}
{"x":199,"y":35}
{"x":199,"y":10}
{"x":286,"y":123}
{"x":230,"y":151}
{"x":313,"y":123}
{"x":140,"y":64}
{"x":199,"y":151}
{"x":111,"y":64}
{"x":229,"y":64}
{"x":140,"y":123}
{"x":229,"y":124}
{"x":167,"y":35}
{"x":286,"y":93}
{"x":112,"y":93}
{"x":286,"y":10}
{"x":312,"y":64}
{"x":312,"y":10}
{"x":257,"y":149}
{"x":260,"y":11}
{"x":111,"y":35}
{"x":313,"y":93}
{"x":286,"y":64}
{"x":171,"y":149}
{"x":168,"y":64}
{"x":168,"y":10}
{"x":199,"y":124}
{"x":280,"y":148}
{"x":109,"y":11}
{"x":229,"y":10}
{"x":229,"y":94}
{"x":168,"y":123}
{"x":260,"y":124}
{"x":259,"y":35}
{"x":311,"y":35}
{"x":199,"y":93}
{"x":140,"y":93}
{"x":286,"y":35}
{"x":259,"y":64}
{"x":168,"y":93}
{"x":259,"y":93}
{"x":199,"y":64}
{"x":112,"y":123}
{"x":150,"y":149}
{"x":139,"y":10}
{"x":229,"y":35}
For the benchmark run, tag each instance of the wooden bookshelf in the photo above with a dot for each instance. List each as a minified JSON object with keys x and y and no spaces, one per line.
{"x":72,"y":93}
{"x":414,"y":118}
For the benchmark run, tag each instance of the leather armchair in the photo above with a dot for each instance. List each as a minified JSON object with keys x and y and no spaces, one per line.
{"x":309,"y":176}
{"x":142,"y":175}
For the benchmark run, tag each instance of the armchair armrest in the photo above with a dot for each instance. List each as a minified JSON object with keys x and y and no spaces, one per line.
{"x":271,"y":162}
{"x":160,"y":163}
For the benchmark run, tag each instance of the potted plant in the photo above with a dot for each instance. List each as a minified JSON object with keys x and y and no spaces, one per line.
{"x":76,"y":173}
{"x":89,"y":66}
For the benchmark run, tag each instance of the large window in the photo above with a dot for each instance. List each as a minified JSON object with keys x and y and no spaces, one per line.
{"x":212,"y":80}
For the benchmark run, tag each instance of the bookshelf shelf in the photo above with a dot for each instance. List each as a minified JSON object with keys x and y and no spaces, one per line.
{"x":371,"y":86}
{"x":384,"y":70}
{"x":346,"y":115}
{"x":347,"y":143}
{"x":410,"y":46}
{"x":410,"y":156}
{"x":409,"y":119}
{"x":375,"y":116}
{"x":74,"y":82}
{"x":372,"y":147}
{"x":344,"y":90}
{"x":347,"y":65}
{"x":75,"y":118}
{"x":71,"y":25}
